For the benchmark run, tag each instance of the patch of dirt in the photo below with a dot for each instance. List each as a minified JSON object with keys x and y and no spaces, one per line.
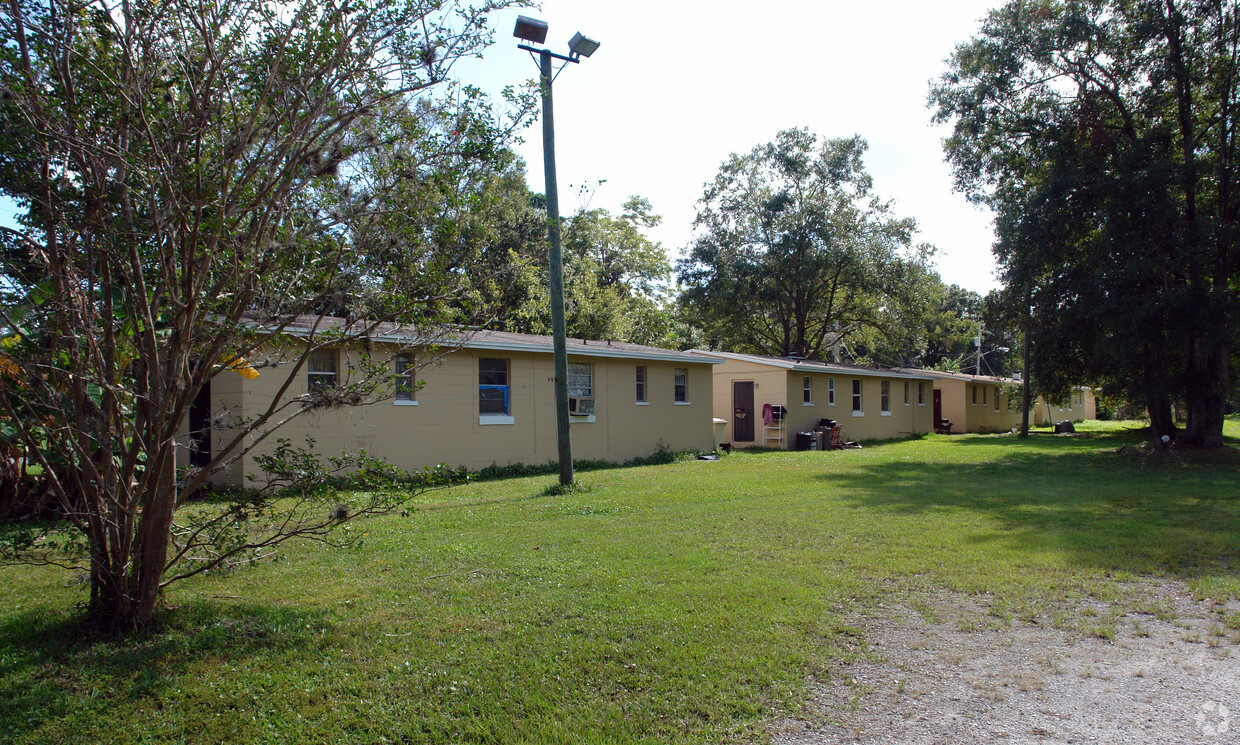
{"x":944,"y":670}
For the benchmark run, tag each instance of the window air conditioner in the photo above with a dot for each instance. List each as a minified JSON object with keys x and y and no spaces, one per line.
{"x":581,"y":406}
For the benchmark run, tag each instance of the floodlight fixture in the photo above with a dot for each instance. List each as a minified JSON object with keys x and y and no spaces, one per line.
{"x":531,"y":30}
{"x":582,"y":46}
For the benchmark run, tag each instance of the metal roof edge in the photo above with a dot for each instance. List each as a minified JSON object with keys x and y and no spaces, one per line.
{"x":821,"y":367}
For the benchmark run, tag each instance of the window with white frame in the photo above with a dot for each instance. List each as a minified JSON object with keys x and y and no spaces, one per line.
{"x":884,"y":397}
{"x":921,"y":393}
{"x":856,"y":396}
{"x":680,"y":385}
{"x":807,"y":393}
{"x":641,"y":384}
{"x":321,"y":370}
{"x":906,"y":401}
{"x":404,"y":378}
{"x":830,"y":391}
{"x":493,"y":388}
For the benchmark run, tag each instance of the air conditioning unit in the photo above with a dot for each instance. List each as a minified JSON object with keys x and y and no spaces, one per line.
{"x":581,"y":406}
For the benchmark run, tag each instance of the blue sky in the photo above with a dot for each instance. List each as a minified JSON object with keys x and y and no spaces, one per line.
{"x":679,"y":85}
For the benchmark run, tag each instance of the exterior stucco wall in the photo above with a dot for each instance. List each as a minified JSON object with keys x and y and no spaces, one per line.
{"x":984,"y":416}
{"x":780,"y":386}
{"x":444,"y":426}
{"x":769,"y":388}
{"x":953,"y":406}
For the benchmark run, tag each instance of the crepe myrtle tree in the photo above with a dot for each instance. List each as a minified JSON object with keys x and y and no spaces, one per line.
{"x":219,"y":187}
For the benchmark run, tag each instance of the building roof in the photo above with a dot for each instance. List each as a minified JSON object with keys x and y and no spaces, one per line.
{"x":812,"y":366}
{"x":486,"y":339}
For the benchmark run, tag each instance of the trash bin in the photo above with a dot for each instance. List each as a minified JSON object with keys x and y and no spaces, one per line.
{"x":720,"y":431}
{"x":803,"y":440}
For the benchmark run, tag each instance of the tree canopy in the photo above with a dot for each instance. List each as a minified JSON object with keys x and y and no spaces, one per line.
{"x":794,"y":251}
{"x":1104,"y":136}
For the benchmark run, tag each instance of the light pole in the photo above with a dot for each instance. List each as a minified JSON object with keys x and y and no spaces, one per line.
{"x":535,"y":31}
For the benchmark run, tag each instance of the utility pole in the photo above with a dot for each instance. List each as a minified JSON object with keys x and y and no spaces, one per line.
{"x":535,"y":31}
{"x":1025,"y":390}
{"x":564,"y":444}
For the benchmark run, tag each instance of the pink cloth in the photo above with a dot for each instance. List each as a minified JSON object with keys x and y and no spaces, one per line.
{"x":768,"y":414}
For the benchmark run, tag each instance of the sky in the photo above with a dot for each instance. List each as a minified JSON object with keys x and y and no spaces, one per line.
{"x":678,"y":85}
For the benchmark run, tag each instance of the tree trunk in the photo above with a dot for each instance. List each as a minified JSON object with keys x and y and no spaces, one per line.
{"x":1206,"y":395}
{"x":125,"y":589}
{"x":1162,"y":422}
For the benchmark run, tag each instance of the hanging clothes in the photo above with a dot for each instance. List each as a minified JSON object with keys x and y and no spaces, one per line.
{"x":768,"y":415}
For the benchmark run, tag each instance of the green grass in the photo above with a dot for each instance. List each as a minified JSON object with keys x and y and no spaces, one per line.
{"x":687,"y":602}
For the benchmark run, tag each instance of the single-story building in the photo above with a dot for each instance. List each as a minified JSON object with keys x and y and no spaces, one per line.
{"x":984,"y":403}
{"x":488,"y":398}
{"x":871,"y":403}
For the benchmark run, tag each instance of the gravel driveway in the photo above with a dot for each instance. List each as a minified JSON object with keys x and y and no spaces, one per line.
{"x":951,"y":673}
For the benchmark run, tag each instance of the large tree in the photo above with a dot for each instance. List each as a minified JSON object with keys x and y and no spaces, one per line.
{"x":795,"y":252}
{"x":615,"y":277}
{"x":1104,"y":135}
{"x":200,"y":177}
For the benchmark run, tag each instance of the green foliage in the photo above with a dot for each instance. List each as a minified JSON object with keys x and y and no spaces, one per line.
{"x":615,"y":278}
{"x":208,"y":182}
{"x":1099,"y":132}
{"x":796,"y":253}
{"x":662,"y":456}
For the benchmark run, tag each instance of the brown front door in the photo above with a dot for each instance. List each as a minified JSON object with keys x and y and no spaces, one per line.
{"x":938,"y":407}
{"x":742,"y":411}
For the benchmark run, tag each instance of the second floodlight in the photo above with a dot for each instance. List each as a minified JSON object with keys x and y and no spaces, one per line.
{"x":582,"y":46}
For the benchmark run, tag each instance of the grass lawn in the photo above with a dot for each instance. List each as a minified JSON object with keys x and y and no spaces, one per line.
{"x":679,"y":603}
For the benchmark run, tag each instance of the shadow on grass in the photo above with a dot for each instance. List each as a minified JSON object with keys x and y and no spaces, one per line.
{"x":1114,"y":509}
{"x":53,"y":668}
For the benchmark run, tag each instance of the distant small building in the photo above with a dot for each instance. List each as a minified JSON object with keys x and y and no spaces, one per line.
{"x":488,"y":399}
{"x":871,"y":403}
{"x":984,"y":403}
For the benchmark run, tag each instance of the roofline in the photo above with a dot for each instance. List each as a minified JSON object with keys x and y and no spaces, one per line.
{"x":821,"y":367}
{"x":599,"y":349}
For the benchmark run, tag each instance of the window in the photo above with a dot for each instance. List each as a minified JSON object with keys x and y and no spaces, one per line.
{"x":996,"y":398}
{"x":921,"y":394}
{"x":974,"y":395}
{"x":983,"y":395}
{"x":680,"y":382}
{"x":807,"y":396}
{"x":580,"y":380}
{"x":906,"y":393}
{"x":492,"y":387}
{"x":580,"y":389}
{"x":830,"y":391}
{"x":884,"y":398}
{"x":321,"y":370}
{"x":404,"y":379}
{"x":641,"y":384}
{"x":856,"y":396}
